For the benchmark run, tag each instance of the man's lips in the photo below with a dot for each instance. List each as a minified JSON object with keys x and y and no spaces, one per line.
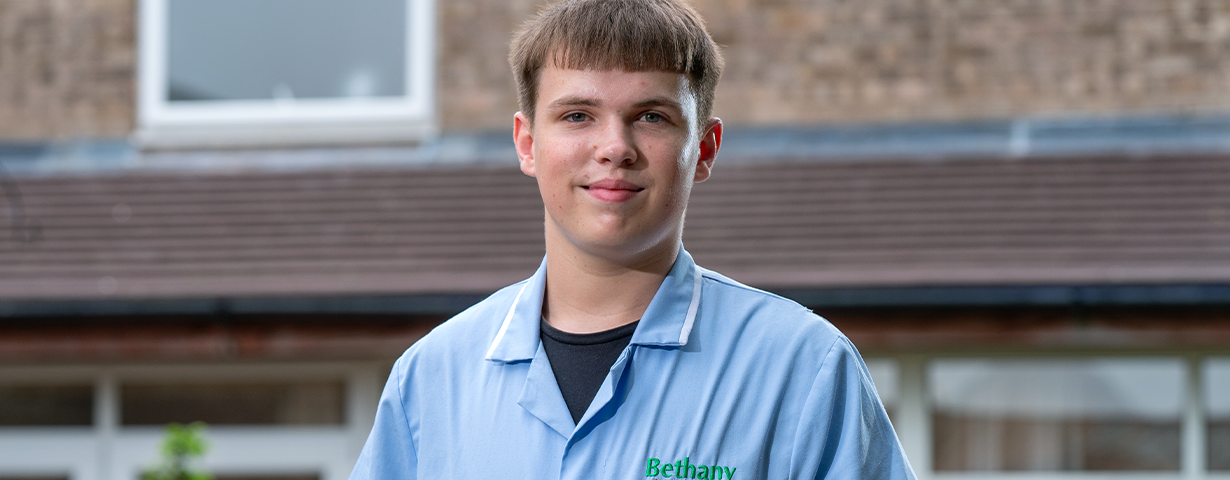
{"x":612,"y":190}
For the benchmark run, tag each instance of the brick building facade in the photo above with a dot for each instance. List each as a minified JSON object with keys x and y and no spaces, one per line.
{"x":1018,"y":210}
{"x":67,"y":66}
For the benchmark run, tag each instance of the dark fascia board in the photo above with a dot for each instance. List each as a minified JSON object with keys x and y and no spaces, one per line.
{"x":438,"y":304}
{"x":1013,"y":296}
{"x":450,"y":304}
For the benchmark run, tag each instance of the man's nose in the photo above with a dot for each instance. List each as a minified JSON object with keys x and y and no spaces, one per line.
{"x":616,"y":144}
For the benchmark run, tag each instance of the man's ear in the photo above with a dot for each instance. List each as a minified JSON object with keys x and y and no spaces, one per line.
{"x":710,"y":142}
{"x":523,"y":139}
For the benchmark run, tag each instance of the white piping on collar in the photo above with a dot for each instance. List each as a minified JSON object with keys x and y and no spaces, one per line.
{"x":507,"y":320}
{"x":692,"y":307}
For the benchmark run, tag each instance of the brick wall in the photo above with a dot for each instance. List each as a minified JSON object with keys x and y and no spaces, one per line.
{"x":828,"y":61}
{"x":475,"y":86}
{"x":871,"y":60}
{"x":67,"y":68}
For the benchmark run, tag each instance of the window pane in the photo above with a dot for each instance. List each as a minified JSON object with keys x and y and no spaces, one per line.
{"x":1057,"y":415}
{"x":233,"y":403}
{"x":1217,"y":401}
{"x":46,"y":405}
{"x":282,"y":49}
{"x":884,"y":375}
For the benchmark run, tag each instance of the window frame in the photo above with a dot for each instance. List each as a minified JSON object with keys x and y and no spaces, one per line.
{"x":915,"y":430}
{"x":262,"y":123}
{"x":1059,"y":360}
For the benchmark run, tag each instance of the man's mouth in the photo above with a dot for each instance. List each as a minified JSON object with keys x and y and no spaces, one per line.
{"x":613,"y":191}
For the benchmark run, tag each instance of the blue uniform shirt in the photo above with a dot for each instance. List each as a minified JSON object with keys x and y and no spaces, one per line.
{"x":720,"y":381}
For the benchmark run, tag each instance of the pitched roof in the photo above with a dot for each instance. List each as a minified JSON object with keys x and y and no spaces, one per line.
{"x":401,"y":231}
{"x":968,"y":222}
{"x":1160,"y":219}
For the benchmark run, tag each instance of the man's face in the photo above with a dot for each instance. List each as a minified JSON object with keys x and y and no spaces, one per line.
{"x":615,"y":154}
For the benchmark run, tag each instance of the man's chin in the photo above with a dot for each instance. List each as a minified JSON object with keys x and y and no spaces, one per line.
{"x":616,"y":241}
{"x":625,"y":249}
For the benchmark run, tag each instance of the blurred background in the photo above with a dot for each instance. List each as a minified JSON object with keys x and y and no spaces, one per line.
{"x":241,"y":211}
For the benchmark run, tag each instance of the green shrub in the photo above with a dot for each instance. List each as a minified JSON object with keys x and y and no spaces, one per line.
{"x":182,"y":448}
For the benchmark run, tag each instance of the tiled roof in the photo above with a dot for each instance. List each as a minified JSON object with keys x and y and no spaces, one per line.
{"x":374,"y":232}
{"x":1034,"y":221}
{"x":784,"y":225}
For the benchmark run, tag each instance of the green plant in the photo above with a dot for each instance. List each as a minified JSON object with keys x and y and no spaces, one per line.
{"x":182,"y":448}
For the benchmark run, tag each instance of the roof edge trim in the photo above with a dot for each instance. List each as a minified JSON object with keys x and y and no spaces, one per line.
{"x":1010,"y":296}
{"x":432,"y":304}
{"x":449,"y":304}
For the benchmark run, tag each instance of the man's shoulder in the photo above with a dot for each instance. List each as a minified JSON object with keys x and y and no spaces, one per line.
{"x":728,"y":286}
{"x":760,"y":304}
{"x":767,"y":320}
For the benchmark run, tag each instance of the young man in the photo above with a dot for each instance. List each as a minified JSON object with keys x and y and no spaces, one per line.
{"x":620,"y":357}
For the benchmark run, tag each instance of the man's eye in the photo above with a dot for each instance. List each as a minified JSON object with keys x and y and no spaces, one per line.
{"x":577,"y":117}
{"x":651,"y":117}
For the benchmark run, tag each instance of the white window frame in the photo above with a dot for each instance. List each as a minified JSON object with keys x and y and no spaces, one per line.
{"x":108,"y":450}
{"x":912,"y":420}
{"x":264,"y":123}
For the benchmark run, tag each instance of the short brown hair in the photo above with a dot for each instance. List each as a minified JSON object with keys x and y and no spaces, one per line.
{"x":629,"y":35}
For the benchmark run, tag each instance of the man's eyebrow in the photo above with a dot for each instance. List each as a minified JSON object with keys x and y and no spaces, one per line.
{"x":658,"y":102}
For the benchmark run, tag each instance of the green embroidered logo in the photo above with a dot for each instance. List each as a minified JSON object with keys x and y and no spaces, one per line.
{"x":685,"y":469}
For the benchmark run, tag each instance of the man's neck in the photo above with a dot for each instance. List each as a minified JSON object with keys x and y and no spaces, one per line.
{"x":587,"y":293}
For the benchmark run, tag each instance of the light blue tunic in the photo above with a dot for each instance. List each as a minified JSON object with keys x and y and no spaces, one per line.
{"x":720,"y":380}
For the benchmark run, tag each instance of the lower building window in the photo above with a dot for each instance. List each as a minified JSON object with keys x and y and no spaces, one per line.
{"x":1057,"y":415}
{"x":304,"y":403}
{"x":46,"y":405}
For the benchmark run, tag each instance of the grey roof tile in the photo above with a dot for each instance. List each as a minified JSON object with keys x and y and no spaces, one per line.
{"x":1103,"y":220}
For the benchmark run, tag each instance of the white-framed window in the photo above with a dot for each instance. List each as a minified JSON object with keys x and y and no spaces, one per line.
{"x":222,"y":73}
{"x":266,"y":421}
{"x":1057,"y":415}
{"x":1069,"y":416}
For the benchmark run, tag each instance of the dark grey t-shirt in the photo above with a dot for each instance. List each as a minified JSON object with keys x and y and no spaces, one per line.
{"x":581,"y":361}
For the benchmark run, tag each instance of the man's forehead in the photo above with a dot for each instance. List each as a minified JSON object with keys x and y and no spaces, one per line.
{"x":594,"y":85}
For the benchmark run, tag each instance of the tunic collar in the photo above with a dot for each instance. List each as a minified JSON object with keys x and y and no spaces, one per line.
{"x":667,"y":322}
